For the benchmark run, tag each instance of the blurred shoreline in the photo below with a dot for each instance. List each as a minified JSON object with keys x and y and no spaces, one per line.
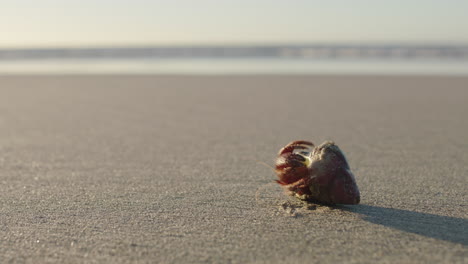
{"x":207,"y":60}
{"x":316,"y":51}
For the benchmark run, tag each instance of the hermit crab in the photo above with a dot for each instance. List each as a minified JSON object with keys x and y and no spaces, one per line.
{"x":317,"y":174}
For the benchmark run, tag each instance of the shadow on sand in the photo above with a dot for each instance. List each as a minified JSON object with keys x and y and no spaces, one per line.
{"x":435,"y":226}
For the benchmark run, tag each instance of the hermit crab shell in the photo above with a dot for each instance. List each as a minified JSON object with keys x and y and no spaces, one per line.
{"x":320,"y":174}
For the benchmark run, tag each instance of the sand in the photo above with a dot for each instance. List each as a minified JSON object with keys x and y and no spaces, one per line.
{"x":168,"y":169}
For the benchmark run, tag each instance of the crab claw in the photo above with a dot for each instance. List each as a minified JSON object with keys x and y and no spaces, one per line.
{"x":292,"y":168}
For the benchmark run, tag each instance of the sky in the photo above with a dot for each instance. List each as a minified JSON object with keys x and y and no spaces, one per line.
{"x":56,"y":23}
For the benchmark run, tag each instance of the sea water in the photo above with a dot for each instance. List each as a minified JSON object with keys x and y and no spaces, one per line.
{"x":238,"y":60}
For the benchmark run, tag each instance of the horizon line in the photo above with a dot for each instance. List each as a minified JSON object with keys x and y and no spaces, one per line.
{"x":240,"y":45}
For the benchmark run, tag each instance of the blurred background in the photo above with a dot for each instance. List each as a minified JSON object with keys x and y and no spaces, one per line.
{"x":234,"y":37}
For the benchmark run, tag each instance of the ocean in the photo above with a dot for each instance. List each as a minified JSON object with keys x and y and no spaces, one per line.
{"x":267,"y":59}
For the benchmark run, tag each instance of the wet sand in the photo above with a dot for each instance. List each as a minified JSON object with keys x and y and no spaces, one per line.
{"x":168,"y":169}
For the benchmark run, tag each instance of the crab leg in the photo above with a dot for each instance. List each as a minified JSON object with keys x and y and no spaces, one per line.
{"x":300,"y":144}
{"x":292,"y":167}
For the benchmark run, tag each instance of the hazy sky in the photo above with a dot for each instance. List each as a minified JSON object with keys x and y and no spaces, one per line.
{"x":140,"y":22}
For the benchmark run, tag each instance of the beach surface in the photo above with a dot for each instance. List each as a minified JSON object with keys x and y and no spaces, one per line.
{"x":175,"y":169}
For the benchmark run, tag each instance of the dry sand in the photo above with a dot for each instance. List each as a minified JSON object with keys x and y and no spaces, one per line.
{"x":166,"y":169}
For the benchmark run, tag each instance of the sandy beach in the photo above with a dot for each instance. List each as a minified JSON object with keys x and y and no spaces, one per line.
{"x":171,"y":169}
